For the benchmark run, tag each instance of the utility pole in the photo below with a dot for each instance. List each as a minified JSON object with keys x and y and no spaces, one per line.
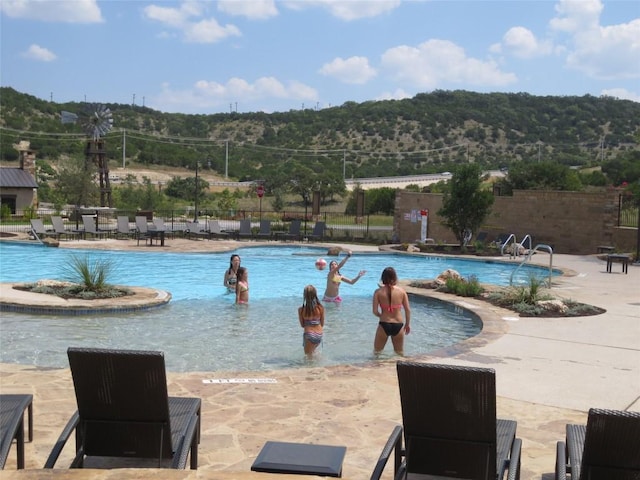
{"x":124,"y":147}
{"x":226,"y":159}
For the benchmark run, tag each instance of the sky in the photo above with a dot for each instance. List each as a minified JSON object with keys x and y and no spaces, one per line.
{"x":204,"y":57}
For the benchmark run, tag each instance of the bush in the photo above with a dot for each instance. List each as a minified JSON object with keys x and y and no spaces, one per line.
{"x":464,"y":288}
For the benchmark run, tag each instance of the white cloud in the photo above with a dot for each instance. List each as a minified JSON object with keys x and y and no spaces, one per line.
{"x":36,"y":52}
{"x":621,"y":93}
{"x":354,"y":70}
{"x":574,"y":15}
{"x":187,"y":19}
{"x":398,"y":94}
{"x":209,"y":94}
{"x":521,"y":42}
{"x":602,"y":52}
{"x":253,"y":10}
{"x":347,"y":10}
{"x":436,"y":62}
{"x":209,"y":31}
{"x":78,"y":11}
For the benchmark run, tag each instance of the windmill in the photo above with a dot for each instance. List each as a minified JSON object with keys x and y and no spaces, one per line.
{"x":96,"y":120}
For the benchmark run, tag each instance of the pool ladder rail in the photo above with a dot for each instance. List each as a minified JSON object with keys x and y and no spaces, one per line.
{"x":527,"y":259}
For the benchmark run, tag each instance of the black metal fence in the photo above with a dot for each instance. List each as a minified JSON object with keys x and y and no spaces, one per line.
{"x":628,"y":211}
{"x":339,"y":227}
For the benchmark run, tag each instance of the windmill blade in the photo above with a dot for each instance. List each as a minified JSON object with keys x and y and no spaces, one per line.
{"x":68,"y":117}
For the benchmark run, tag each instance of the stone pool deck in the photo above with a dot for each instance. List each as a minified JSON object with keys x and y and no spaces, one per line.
{"x":549,"y":372}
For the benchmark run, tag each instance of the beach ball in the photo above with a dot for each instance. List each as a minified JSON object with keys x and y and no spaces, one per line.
{"x":321,"y":263}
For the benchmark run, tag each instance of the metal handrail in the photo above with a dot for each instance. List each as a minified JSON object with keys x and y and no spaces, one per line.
{"x":527,"y":258}
{"x":506,"y":242}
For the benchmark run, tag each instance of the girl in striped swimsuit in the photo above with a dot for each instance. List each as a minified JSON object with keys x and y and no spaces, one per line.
{"x":311,"y":317}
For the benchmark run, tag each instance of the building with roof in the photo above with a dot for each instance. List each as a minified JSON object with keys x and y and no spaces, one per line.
{"x":18,"y":186}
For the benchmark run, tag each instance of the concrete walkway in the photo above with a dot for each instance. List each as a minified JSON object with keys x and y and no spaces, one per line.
{"x":549,"y":372}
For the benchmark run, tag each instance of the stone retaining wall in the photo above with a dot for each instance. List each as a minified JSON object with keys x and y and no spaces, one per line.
{"x":571,"y":222}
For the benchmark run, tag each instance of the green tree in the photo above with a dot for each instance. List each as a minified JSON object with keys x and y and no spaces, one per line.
{"x":75,"y":182}
{"x":541,"y":176}
{"x":465,"y":204}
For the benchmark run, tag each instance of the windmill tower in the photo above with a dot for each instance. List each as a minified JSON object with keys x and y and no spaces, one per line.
{"x":96,"y":120}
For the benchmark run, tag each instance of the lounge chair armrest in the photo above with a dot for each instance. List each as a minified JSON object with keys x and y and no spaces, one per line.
{"x":514,"y":460}
{"x":191,"y":436}
{"x":561,"y":461}
{"x":62,"y":440}
{"x":394,"y":444}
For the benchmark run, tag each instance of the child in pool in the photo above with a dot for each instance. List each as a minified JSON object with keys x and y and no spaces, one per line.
{"x":334,"y":278}
{"x":311,"y":317}
{"x":242,"y":286}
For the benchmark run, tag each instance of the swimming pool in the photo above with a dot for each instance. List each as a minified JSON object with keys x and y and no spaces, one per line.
{"x":203,"y":330}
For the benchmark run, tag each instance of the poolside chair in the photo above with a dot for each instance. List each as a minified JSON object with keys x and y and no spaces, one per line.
{"x":39,"y":231}
{"x":123,"y":229}
{"x":245,"y":229}
{"x":607,"y":448}
{"x":294,"y":231}
{"x":12,"y":409}
{"x":318,"y":231}
{"x":90,"y":227}
{"x":142,"y":229}
{"x":450,"y":425}
{"x":215,"y":231}
{"x":160,"y":225}
{"x":59,"y":228}
{"x":195,"y":230}
{"x":481,"y":237}
{"x":124,"y":412}
{"x":265,"y":230}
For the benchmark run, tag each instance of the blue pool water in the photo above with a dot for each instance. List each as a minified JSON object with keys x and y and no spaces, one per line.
{"x":203,"y":330}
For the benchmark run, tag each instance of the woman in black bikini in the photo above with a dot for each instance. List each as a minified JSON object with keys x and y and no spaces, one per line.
{"x":231,"y":274}
{"x":388,"y":302}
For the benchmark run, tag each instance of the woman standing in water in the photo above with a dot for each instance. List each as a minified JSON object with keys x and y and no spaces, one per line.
{"x":230,"y":275}
{"x":388,"y":302}
{"x":311,"y":317}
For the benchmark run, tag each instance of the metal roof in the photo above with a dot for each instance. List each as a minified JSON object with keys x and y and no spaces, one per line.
{"x":16,"y":178}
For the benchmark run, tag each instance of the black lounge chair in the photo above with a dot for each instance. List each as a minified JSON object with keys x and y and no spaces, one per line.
{"x":61,"y":230}
{"x":606,"y":448}
{"x":195,"y":230}
{"x":245,"y":229}
{"x":39,"y":231}
{"x":12,"y":408}
{"x":89,"y":223}
{"x":123,"y":229}
{"x":318,"y":231}
{"x":265,"y":230}
{"x":450,"y":426}
{"x":124,"y":412}
{"x":161,"y":226}
{"x":215,"y":231}
{"x":294,"y":231}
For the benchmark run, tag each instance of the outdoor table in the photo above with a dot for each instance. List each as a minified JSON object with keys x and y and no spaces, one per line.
{"x":300,"y":458}
{"x":624,"y":259}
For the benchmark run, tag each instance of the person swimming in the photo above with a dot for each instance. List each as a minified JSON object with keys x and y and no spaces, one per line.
{"x":334,"y":278}
{"x":388,"y":302}
{"x":311,"y":317}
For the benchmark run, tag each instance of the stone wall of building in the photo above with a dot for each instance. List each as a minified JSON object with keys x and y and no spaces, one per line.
{"x":571,"y":222}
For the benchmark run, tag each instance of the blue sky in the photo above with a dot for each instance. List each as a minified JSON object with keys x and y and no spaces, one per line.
{"x":269,"y":55}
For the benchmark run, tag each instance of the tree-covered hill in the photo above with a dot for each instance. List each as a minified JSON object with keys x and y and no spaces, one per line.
{"x":424,"y":134}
